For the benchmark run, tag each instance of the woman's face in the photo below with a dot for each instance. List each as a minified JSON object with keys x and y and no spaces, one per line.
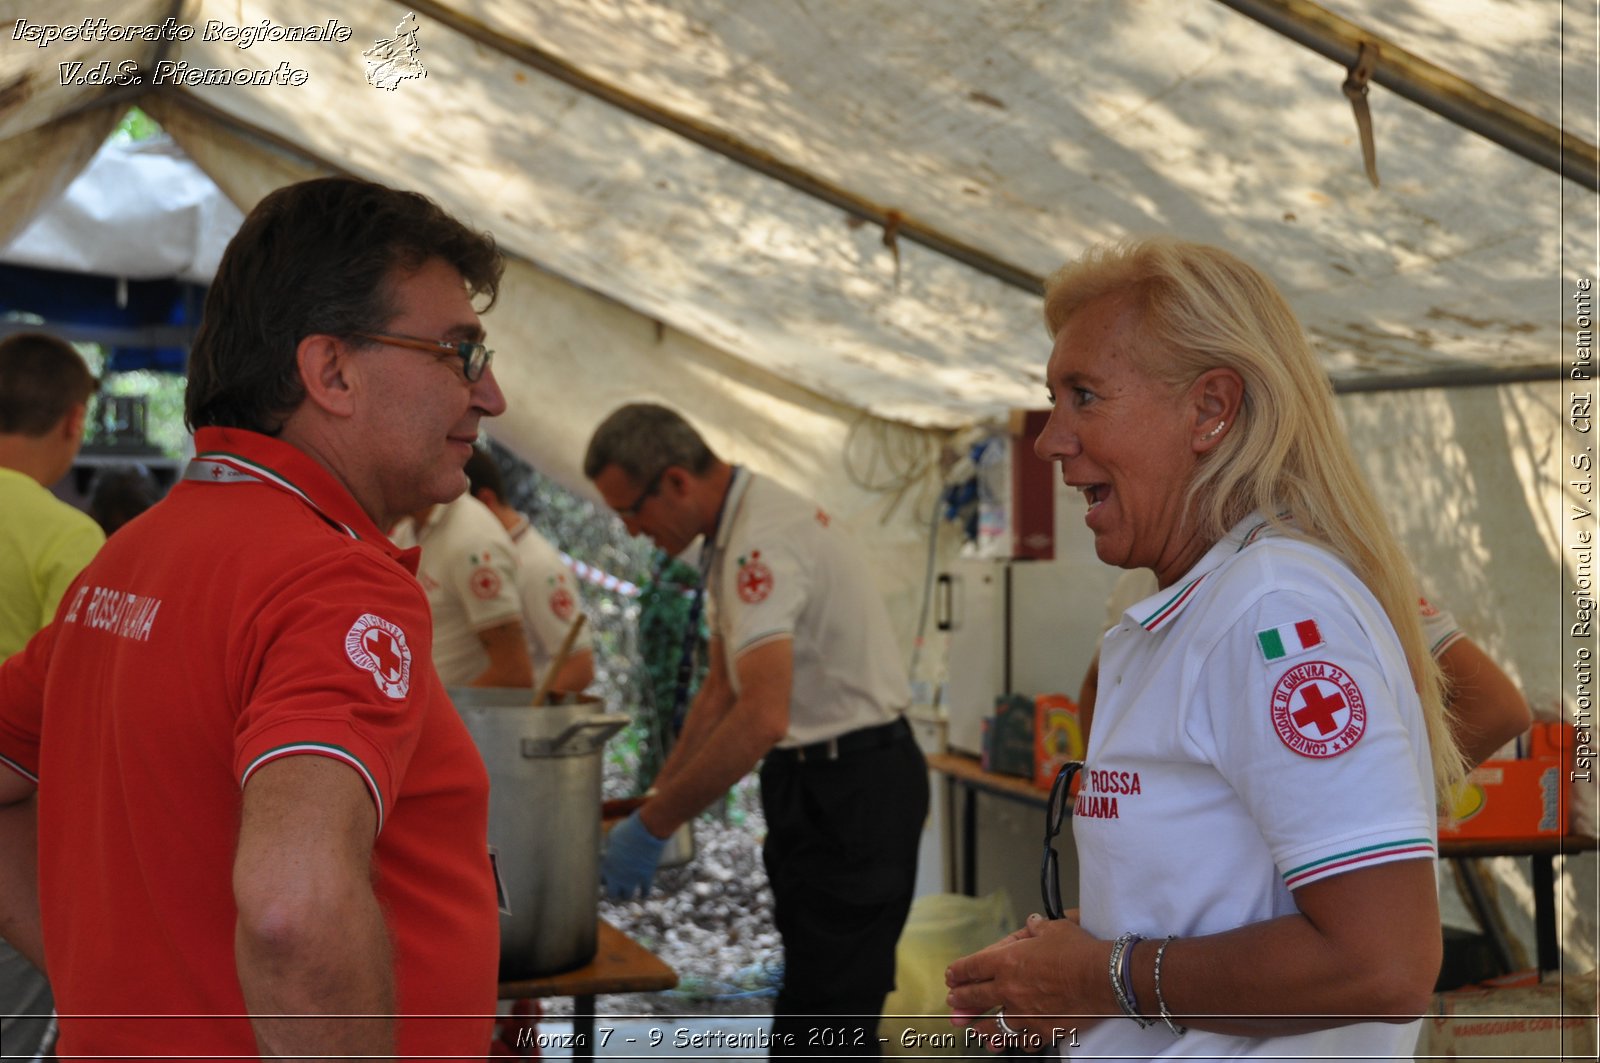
{"x":1124,"y":440}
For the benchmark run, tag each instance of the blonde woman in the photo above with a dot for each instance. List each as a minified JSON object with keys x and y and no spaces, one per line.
{"x":1256,"y":824}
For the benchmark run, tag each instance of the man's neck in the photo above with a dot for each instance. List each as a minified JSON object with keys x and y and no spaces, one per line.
{"x":718,"y":482}
{"x":37,"y":457}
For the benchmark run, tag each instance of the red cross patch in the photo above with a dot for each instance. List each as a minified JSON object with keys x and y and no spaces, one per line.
{"x":375,"y":645}
{"x":562,"y":603}
{"x":1317,"y":709}
{"x":485,"y":582}
{"x":755,"y":579}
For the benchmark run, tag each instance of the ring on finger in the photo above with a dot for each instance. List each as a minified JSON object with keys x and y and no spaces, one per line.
{"x":1005,"y":1027}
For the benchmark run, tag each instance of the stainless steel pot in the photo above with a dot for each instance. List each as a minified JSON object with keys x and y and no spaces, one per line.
{"x":544,"y":820}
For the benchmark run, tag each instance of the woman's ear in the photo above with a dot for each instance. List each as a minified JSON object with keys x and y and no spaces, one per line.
{"x":325,"y":367}
{"x":1218,"y":395}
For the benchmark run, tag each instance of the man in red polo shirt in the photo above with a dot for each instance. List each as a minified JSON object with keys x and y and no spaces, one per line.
{"x":261,"y":825}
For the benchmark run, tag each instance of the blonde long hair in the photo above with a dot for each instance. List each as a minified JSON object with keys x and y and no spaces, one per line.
{"x":1200,"y":308}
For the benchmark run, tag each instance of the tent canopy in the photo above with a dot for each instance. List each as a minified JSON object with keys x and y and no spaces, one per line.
{"x":1010,"y":133}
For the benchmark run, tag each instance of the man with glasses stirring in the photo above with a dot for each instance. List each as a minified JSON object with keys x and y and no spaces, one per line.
{"x":805,"y":678}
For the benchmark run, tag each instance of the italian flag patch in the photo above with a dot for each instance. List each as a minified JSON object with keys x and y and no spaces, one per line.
{"x":1290,"y":639}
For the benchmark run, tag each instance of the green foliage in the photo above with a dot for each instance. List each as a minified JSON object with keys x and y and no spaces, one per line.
{"x":135,"y":125}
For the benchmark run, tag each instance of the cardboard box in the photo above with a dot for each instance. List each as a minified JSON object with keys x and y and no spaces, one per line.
{"x":1500,"y":1020}
{"x":1525,"y":798}
{"x":1008,"y":737}
{"x":1057,"y":736}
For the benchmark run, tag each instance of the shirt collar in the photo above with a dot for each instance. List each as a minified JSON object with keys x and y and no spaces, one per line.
{"x":518,"y":529}
{"x":1157,"y":612}
{"x":287,"y":467}
{"x":737,"y":486}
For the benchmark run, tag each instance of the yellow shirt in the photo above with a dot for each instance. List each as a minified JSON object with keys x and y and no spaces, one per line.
{"x":44,"y":544}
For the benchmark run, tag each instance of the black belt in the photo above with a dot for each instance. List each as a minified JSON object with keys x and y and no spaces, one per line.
{"x":850,"y":742}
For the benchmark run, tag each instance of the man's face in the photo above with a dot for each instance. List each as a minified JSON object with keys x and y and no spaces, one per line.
{"x":661,"y":508}
{"x":418,"y":413}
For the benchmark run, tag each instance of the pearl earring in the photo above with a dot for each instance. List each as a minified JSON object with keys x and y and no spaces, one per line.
{"x":1217,"y":430}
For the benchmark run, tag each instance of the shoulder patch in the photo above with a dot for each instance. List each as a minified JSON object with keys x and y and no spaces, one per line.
{"x":375,"y":645}
{"x":562,"y":604}
{"x":1289,"y":640}
{"x":1318,"y":710}
{"x":485,"y":582}
{"x":755,"y":579}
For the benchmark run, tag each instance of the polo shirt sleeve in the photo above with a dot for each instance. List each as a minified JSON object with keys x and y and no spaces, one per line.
{"x":550,"y":600}
{"x":337,"y":664}
{"x":1310,"y":727}
{"x":764,"y":589}
{"x":22,"y":677}
{"x":481,"y":572}
{"x":1439,"y":629}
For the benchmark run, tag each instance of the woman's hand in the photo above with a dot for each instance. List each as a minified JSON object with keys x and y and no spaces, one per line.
{"x":1039,"y":975}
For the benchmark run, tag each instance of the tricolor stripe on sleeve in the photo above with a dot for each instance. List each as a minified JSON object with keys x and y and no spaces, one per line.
{"x":20,"y":770}
{"x":1354,"y":858}
{"x":325,"y":750}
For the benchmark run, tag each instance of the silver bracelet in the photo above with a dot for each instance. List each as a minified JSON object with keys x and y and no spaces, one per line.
{"x":1118,"y":970}
{"x":1161,"y":1002}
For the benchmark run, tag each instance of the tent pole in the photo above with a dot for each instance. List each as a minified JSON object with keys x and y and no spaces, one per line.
{"x":1430,"y":86}
{"x":894,"y":223}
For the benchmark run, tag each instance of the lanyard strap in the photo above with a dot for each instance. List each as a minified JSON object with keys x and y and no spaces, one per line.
{"x":691,"y":633}
{"x":216,"y":468}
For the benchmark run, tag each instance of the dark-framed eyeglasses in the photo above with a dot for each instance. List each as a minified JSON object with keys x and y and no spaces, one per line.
{"x":475,"y":357}
{"x":651,"y":489}
{"x":1056,"y":812}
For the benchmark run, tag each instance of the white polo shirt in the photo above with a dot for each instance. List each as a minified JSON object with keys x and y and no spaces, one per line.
{"x":469,"y":569}
{"x":1255,"y":730}
{"x":550,"y":598}
{"x":782,"y":568}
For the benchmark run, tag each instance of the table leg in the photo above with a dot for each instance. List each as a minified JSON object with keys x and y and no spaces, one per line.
{"x":1544,"y":911}
{"x":969,"y":843}
{"x":583,"y":1027}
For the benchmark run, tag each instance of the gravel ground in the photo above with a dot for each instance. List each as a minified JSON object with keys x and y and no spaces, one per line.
{"x":710,"y":920}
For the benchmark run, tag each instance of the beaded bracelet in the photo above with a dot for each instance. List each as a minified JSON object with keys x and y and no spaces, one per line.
{"x":1121,"y":956}
{"x":1161,"y":1002}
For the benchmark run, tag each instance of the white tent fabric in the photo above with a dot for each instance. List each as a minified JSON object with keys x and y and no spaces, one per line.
{"x":682,"y":186}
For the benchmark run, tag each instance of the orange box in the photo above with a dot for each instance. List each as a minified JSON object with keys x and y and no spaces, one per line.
{"x":1057,"y":736}
{"x":1525,"y":798}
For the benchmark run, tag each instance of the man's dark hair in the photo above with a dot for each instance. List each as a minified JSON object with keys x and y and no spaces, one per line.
{"x":644,"y":438}
{"x":483,"y":471}
{"x":314,"y":258}
{"x":120,"y":494}
{"x":41,"y":379}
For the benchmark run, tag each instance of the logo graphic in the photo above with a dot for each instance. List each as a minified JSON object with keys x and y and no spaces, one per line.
{"x":823,"y":518}
{"x":377,"y":646}
{"x":395,"y":60}
{"x":562,"y":603}
{"x":1317,"y":710}
{"x":485,"y":582}
{"x":755,"y":579}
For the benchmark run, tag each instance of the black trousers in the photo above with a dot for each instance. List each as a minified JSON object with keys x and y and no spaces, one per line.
{"x":841,"y":856}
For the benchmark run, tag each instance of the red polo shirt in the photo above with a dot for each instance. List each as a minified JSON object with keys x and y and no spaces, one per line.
{"x":256,"y":612}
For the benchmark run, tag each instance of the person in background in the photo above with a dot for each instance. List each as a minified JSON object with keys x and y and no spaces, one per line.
{"x":549,"y":590}
{"x":45,"y":389}
{"x":1485,"y":707}
{"x":263,"y":828}
{"x":469,"y":569}
{"x":121,"y":494}
{"x":1256,"y":826}
{"x":804,"y":678}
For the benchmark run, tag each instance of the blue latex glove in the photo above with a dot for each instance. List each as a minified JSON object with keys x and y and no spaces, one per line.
{"x":630,"y":859}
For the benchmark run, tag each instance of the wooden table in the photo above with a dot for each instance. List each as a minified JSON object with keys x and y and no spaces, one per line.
{"x":620,"y":965}
{"x":965,"y":773}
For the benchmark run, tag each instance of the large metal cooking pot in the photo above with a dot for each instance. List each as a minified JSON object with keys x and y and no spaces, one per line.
{"x":544,"y":820}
